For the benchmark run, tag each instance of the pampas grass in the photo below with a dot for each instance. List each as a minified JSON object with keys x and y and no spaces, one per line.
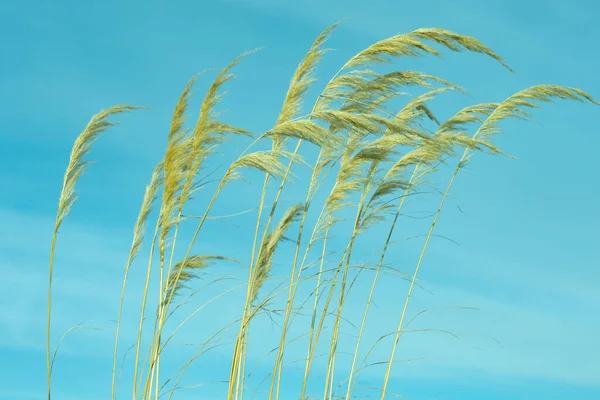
{"x":373,"y":155}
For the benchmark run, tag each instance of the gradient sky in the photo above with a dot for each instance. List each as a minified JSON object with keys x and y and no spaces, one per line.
{"x":527,"y":254}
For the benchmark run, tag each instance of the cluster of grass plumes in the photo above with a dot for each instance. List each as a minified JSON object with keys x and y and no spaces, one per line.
{"x":371,"y":158}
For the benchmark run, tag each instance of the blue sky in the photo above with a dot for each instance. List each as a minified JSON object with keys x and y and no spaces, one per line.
{"x":527,"y":233}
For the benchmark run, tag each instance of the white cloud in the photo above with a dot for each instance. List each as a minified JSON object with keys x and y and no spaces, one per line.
{"x":548,"y":344}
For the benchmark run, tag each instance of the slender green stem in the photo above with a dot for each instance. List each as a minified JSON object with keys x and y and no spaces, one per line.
{"x":49,"y":312}
{"x":412,"y":285}
{"x":122,"y":297}
{"x":372,"y":291}
{"x":142,"y":313}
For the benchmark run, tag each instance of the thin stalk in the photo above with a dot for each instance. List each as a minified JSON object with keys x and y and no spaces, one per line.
{"x":252,"y":266}
{"x":142,"y":313}
{"x":171,"y":293}
{"x":113,"y":393}
{"x":335,"y":334}
{"x":49,"y":312}
{"x":372,"y":291}
{"x":413,"y":280}
{"x":312,"y":325}
{"x":319,"y":330}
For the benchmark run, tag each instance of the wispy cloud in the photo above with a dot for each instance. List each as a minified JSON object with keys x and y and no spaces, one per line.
{"x":88,"y":289}
{"x":526,"y":259}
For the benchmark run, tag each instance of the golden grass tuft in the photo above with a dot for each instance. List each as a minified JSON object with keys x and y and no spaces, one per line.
{"x":378,"y":154}
{"x":68,"y":196}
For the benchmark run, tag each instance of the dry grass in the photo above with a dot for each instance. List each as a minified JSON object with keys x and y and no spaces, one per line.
{"x":377,"y":157}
